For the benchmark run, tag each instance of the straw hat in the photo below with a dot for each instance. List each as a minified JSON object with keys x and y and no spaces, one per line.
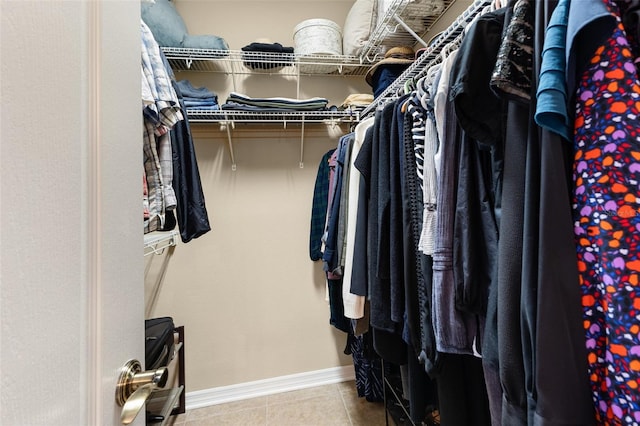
{"x":395,"y":55}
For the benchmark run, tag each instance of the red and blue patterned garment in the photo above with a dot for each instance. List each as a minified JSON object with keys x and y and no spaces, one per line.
{"x":606,"y":197}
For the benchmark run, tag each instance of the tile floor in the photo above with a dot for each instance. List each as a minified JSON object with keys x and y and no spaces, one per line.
{"x":335,"y":405}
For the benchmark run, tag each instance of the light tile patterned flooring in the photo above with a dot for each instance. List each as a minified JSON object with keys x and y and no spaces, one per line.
{"x":329,"y":405}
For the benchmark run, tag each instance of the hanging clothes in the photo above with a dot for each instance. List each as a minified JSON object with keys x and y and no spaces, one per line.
{"x":605,"y":197}
{"x":191,"y":210}
{"x":319,"y":207}
{"x":330,"y":236}
{"x":425,"y":92}
{"x":478,"y":194}
{"x":528,"y":297}
{"x":353,"y":299}
{"x":387,"y":337}
{"x":418,"y":266}
{"x":480,"y":166}
{"x":368,"y":368}
{"x":334,"y":232}
{"x":501,"y":349}
{"x":361,"y":255}
{"x":161,"y":111}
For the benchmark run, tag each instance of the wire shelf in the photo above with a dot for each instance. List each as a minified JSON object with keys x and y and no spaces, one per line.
{"x":155,"y":242}
{"x":222,"y":116}
{"x":431,"y":56}
{"x":240,"y":62}
{"x":402,"y":23}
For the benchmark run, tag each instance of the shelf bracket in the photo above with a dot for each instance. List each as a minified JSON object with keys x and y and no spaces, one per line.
{"x":227,"y":126}
{"x":233,"y":77}
{"x":302,"y":143}
{"x":297,"y":81}
{"x":410,"y":31}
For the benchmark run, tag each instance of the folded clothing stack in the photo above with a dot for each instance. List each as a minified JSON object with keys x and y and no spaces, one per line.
{"x":261,"y":55}
{"x":197,"y":98}
{"x":240,"y":102}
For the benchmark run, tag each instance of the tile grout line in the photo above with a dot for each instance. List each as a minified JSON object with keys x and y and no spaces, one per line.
{"x":344,"y":404}
{"x":266,"y":416}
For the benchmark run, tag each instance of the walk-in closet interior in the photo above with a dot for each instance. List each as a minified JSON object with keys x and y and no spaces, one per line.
{"x":441,"y":210}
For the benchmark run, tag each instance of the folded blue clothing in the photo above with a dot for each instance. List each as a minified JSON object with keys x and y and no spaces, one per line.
{"x":279,"y":102}
{"x":191,"y":109}
{"x":199,"y":102}
{"x":188,"y":91}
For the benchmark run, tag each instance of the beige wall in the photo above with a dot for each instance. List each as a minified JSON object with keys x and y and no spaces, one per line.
{"x":252,"y":302}
{"x":241,"y":22}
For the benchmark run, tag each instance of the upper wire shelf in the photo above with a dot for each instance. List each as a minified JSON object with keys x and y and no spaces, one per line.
{"x":403,"y":22}
{"x":240,"y":62}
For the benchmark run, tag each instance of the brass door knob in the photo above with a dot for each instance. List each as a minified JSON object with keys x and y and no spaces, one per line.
{"x":135,"y":386}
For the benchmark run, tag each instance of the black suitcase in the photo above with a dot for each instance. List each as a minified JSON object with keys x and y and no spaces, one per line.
{"x":158,"y":342}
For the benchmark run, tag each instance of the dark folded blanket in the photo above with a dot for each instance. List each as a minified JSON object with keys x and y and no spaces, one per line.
{"x":266,"y":55}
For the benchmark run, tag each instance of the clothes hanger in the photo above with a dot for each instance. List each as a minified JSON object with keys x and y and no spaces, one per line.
{"x":451,"y":46}
{"x":426,"y":83}
{"x":409,"y":86}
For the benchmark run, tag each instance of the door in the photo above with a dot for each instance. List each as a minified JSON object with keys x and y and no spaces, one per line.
{"x":71,"y":263}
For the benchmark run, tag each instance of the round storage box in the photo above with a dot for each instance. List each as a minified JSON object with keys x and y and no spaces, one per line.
{"x":318,"y":37}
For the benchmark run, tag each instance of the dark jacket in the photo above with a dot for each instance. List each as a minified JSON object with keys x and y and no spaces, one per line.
{"x":193,"y":220}
{"x":479,"y":113}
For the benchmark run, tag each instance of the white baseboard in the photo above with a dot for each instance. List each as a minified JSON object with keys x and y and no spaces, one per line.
{"x":240,"y":391}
